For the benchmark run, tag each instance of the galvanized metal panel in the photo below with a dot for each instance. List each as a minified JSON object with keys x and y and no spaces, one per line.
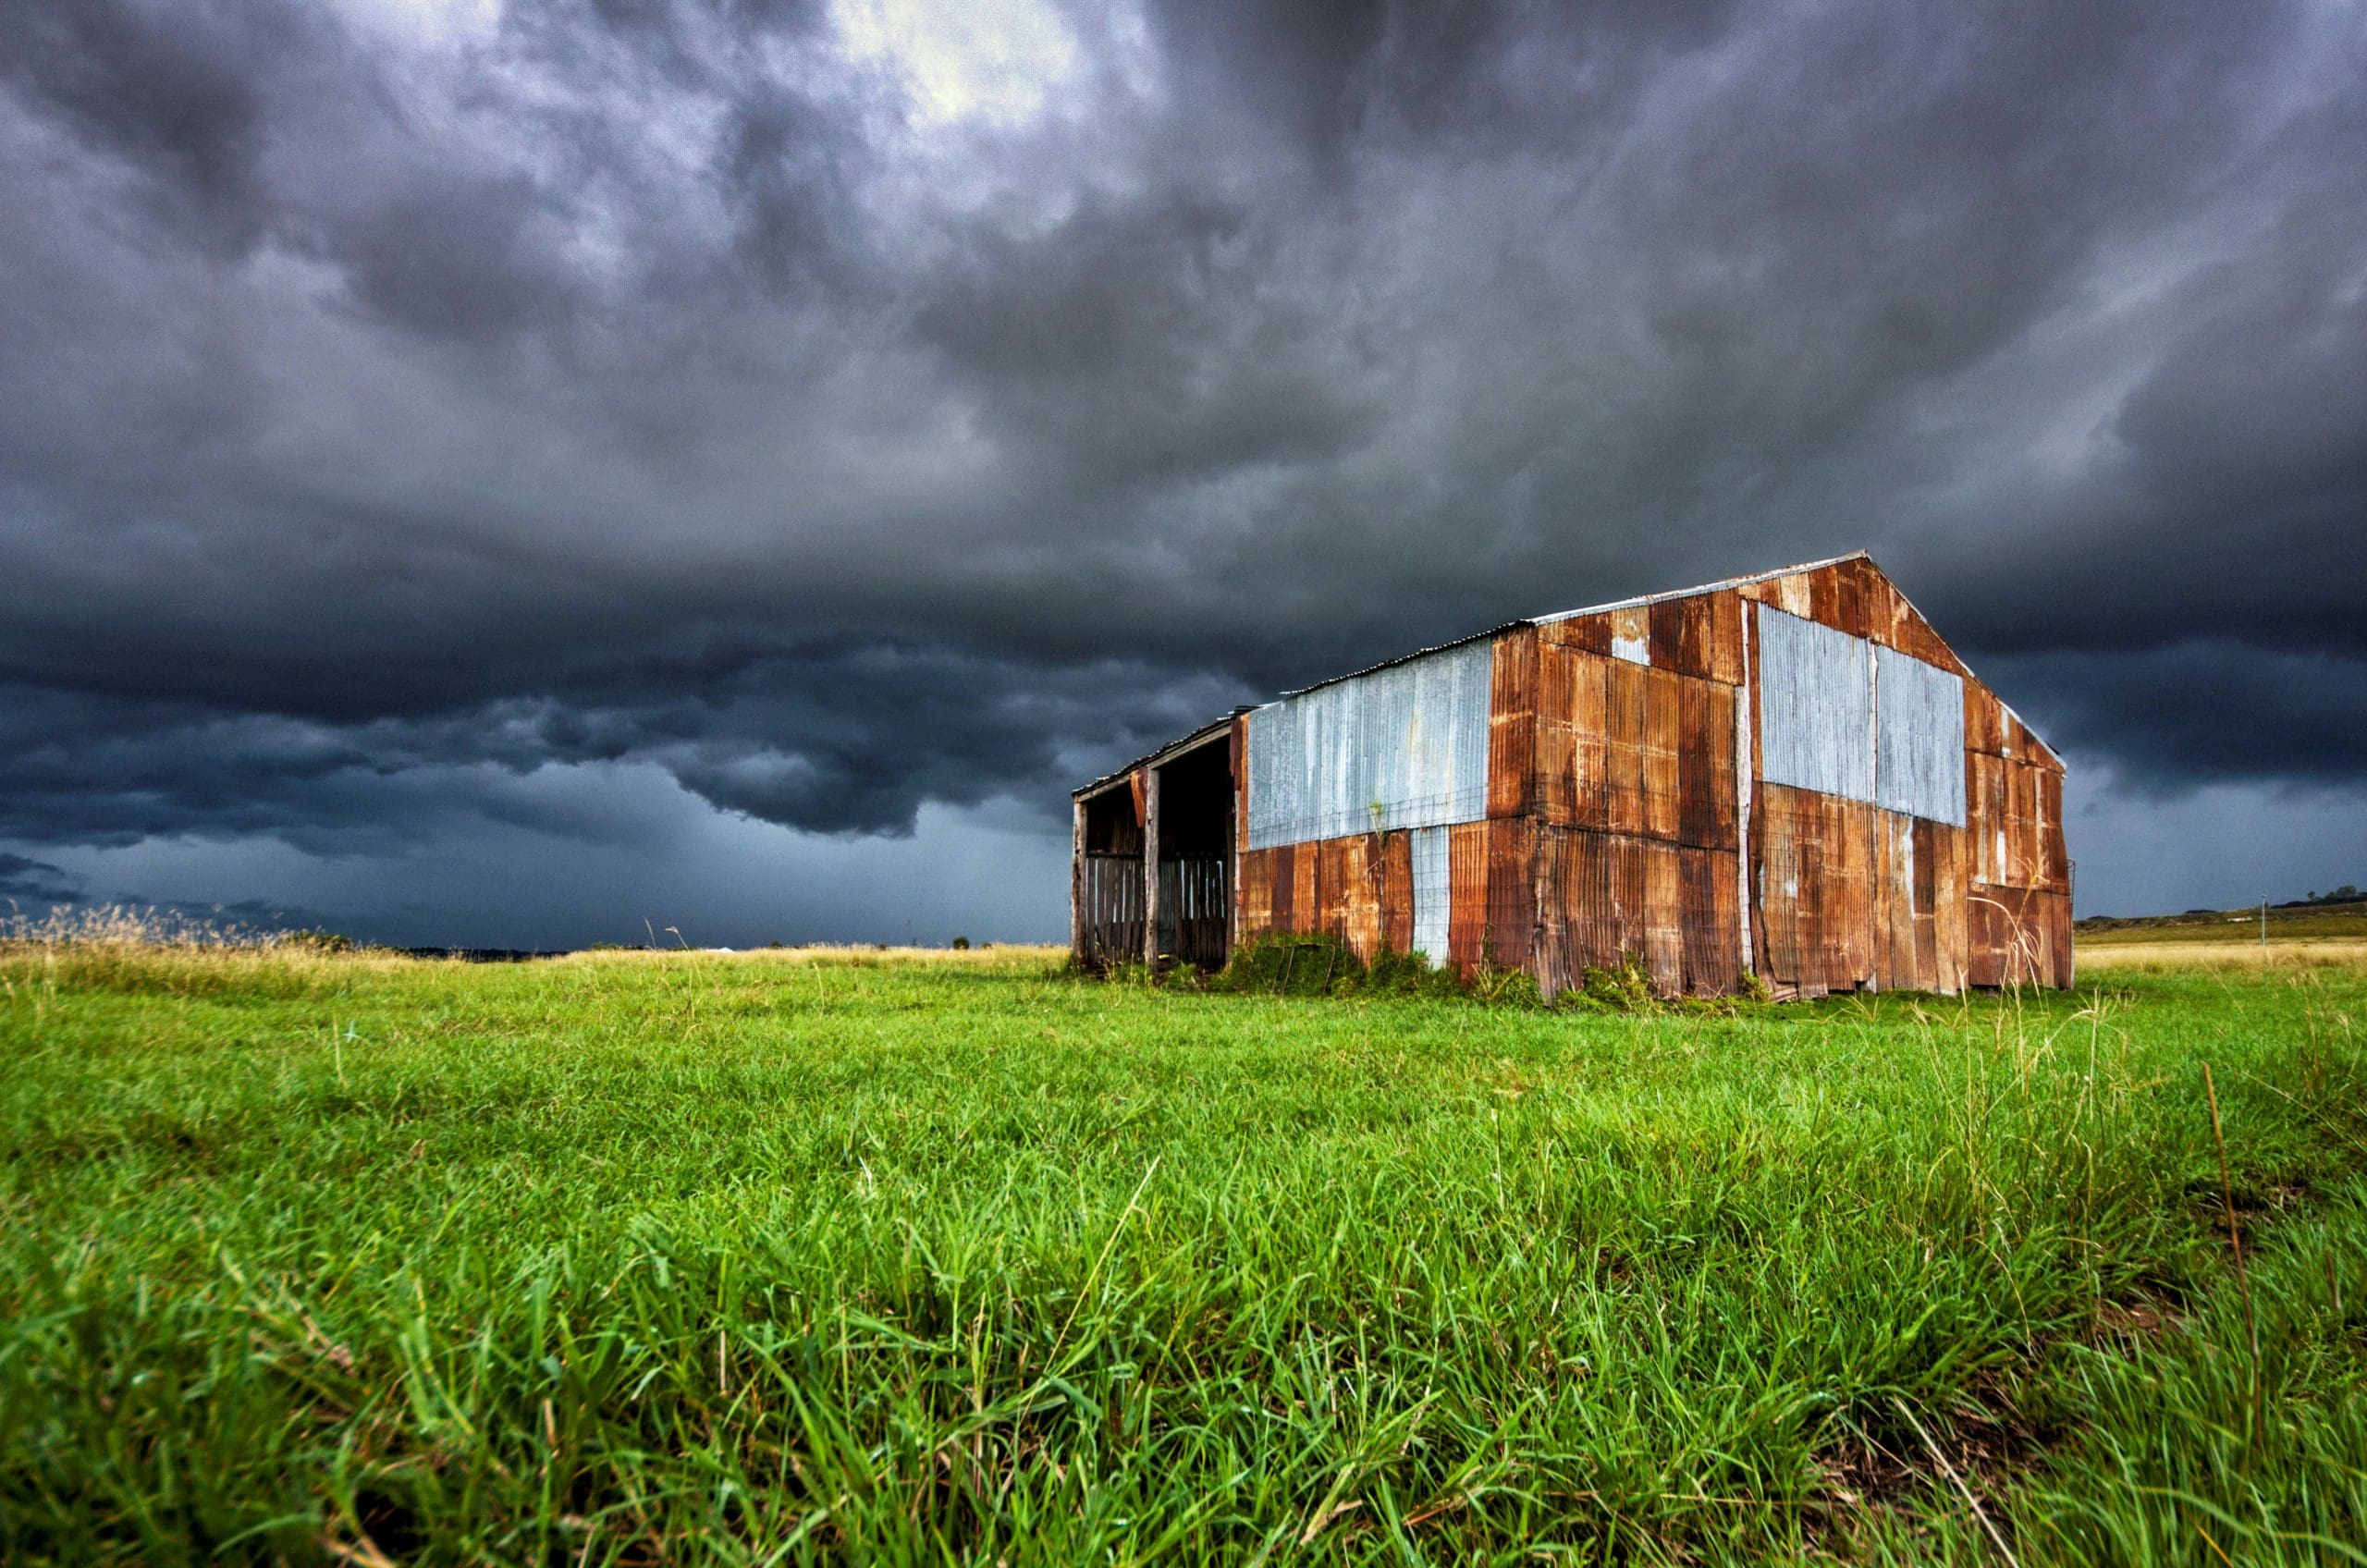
{"x":1406,"y":746}
{"x":1919,"y":743}
{"x":1816,"y":706}
{"x":1433,"y":884}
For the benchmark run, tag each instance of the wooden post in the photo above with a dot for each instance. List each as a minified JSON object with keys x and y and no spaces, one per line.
{"x":1076,"y":883}
{"x":1150,"y":866}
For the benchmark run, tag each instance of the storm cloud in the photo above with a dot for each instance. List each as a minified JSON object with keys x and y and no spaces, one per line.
{"x":415,"y":412}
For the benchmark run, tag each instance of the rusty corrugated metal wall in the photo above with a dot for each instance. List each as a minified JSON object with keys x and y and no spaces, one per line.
{"x":1791,"y":775}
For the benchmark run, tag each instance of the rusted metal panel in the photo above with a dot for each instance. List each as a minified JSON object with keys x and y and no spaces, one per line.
{"x":1705,"y":764}
{"x":1679,"y":628}
{"x":1700,"y":636}
{"x":1432,"y":871}
{"x":1663,"y":912}
{"x":1787,"y":592}
{"x":1893,"y":911}
{"x":1626,"y":737}
{"x":1574,"y":736}
{"x":1631,"y":633}
{"x":1643,"y":728}
{"x":1710,"y":919}
{"x":1511,"y":891}
{"x":1816,"y":706}
{"x":1987,"y":816}
{"x":1984,"y":720}
{"x":1943,"y":851}
{"x":2014,"y":814}
{"x":1332,"y":890}
{"x":1307,"y":888}
{"x":2026,"y":747}
{"x":1815,"y":898}
{"x":2019,"y":937}
{"x":1630,"y":748}
{"x":1397,"y":890}
{"x":1605,"y":899}
{"x":1283,"y":881}
{"x":1837,"y":595}
{"x":1466,"y":936}
{"x":1896,"y":624}
{"x":1587,"y":633}
{"x":1359,"y":897}
{"x":1253,"y":892}
{"x":1404,"y":746}
{"x":1919,"y":739}
{"x":1593,"y":903}
{"x":1663,"y":733}
{"x":1511,"y":723}
{"x":2054,"y":855}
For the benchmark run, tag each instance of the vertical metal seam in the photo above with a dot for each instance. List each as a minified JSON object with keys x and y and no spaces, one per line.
{"x":1748,"y":701}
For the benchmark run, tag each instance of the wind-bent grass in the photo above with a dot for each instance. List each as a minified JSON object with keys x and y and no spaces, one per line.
{"x":708,"y":1259}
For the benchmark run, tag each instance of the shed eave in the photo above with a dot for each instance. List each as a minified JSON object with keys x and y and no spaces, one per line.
{"x":1214,"y":729}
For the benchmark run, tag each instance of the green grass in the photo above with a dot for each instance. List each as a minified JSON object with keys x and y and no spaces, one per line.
{"x":697,"y":1258}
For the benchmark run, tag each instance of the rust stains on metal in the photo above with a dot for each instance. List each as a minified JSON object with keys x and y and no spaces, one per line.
{"x":1789,"y":773}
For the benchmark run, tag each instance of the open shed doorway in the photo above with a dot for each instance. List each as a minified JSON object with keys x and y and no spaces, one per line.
{"x":1109,"y":876}
{"x":1195,"y":818}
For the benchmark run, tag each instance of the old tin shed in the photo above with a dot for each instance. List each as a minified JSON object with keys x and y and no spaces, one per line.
{"x":1789,"y":774}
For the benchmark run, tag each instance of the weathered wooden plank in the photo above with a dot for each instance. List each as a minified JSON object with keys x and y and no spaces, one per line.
{"x":1150,"y":866}
{"x":1076,"y":882}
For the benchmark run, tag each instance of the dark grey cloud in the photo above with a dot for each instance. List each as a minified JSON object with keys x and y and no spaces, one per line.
{"x":839,"y":408}
{"x":29,"y":886}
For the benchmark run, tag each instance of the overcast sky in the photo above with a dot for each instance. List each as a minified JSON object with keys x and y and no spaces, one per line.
{"x":530,"y":474}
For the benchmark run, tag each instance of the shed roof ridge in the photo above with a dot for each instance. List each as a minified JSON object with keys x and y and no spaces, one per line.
{"x":1502,"y":627}
{"x":1717,"y":587}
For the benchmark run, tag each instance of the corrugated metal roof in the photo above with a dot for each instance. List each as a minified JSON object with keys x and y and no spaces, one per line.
{"x":1199,"y":737}
{"x":1569,"y":615}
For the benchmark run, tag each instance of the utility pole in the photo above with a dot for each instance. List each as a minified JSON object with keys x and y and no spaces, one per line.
{"x":2263,"y":920}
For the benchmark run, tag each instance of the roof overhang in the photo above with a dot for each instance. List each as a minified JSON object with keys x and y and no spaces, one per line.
{"x":1206,"y":735}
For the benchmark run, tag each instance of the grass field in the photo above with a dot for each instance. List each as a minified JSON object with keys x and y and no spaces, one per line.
{"x":756,"y":1259}
{"x":2287,"y":927}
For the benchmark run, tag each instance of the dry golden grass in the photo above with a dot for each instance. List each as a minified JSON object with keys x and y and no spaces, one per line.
{"x":2156,"y":957}
{"x":999,"y":956}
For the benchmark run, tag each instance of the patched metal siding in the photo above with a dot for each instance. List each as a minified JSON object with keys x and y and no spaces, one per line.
{"x":1920,"y":739}
{"x":1816,"y":706}
{"x":1404,"y":746}
{"x":1433,"y":892}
